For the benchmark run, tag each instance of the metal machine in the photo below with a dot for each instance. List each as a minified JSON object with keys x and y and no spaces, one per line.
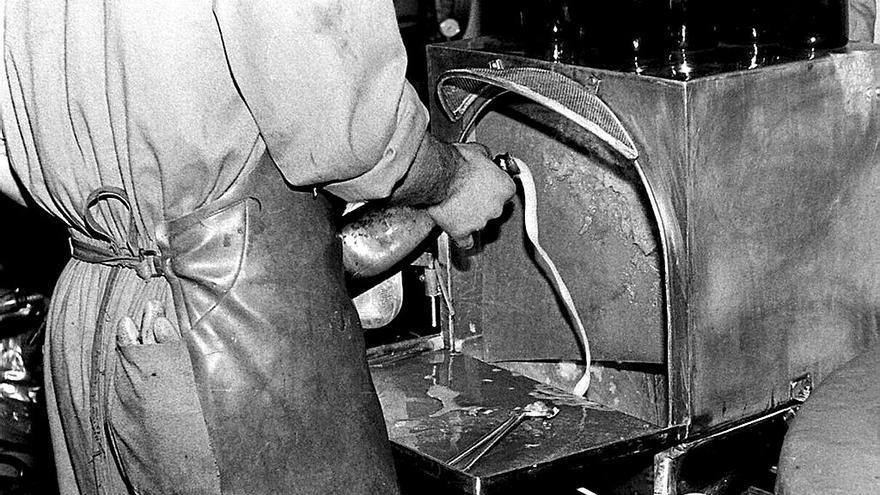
{"x":720,"y":272}
{"x":25,"y":455}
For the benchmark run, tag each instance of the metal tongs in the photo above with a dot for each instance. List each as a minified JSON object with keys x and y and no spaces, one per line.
{"x":487,"y":442}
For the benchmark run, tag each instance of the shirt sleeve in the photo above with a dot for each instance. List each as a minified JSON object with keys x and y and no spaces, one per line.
{"x":8,"y":184}
{"x":325,"y":82}
{"x":862,"y":16}
{"x":876,"y":37}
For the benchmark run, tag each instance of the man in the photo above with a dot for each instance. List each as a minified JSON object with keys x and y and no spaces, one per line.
{"x":201,"y":340}
{"x":862,"y":18}
{"x":826,"y":449}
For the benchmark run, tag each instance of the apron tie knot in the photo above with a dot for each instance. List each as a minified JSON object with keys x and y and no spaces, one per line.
{"x":100,"y":247}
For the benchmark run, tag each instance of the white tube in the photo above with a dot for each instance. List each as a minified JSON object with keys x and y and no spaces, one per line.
{"x":530,"y":205}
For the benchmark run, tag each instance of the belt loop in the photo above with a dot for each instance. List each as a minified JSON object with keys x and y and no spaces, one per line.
{"x":101,"y":193}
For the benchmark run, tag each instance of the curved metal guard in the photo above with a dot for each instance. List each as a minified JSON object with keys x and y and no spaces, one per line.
{"x":459,"y":89}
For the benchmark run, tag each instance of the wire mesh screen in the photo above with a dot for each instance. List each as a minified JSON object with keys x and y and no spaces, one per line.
{"x":459,"y":89}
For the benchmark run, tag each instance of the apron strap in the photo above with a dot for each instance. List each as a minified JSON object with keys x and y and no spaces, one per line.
{"x":102,"y":248}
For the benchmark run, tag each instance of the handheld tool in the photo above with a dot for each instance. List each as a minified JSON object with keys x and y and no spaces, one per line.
{"x":536,"y":409}
{"x":376,"y":239}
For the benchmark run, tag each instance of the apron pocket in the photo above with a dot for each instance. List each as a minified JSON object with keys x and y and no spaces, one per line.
{"x":156,"y":423}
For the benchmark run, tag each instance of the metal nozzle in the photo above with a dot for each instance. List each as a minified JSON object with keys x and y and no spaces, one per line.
{"x":507,"y":163}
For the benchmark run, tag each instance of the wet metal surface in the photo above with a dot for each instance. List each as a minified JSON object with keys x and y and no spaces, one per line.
{"x":437,"y":404}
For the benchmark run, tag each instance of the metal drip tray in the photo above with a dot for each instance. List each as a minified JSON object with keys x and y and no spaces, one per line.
{"x":436,"y":404}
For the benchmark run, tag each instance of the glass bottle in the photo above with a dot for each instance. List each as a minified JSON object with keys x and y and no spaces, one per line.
{"x":552,"y":26}
{"x":623,"y":34}
{"x":750,"y":32}
{"x":693,"y":24}
{"x":749,"y":22}
{"x":692,"y":29}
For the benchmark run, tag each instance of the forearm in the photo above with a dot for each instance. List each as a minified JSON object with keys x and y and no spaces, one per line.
{"x":430,"y":177}
{"x":458,"y":185}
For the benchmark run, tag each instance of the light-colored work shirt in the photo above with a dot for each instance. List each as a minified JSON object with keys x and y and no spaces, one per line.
{"x":173,"y":101}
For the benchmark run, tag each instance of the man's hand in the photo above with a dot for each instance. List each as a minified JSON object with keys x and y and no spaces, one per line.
{"x":458,"y":185}
{"x":477,"y":194}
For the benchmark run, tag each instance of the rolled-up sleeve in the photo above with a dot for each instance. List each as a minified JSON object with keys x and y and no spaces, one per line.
{"x":325,"y":83}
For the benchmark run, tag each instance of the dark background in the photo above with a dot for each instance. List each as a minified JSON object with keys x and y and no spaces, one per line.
{"x":33,"y":249}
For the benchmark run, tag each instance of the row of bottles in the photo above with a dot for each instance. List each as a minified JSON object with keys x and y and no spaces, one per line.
{"x":795,"y":24}
{"x":636,"y":32}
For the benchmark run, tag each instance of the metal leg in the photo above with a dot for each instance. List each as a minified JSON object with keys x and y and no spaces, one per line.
{"x":665,"y":471}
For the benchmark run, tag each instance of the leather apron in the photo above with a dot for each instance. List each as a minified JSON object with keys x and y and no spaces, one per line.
{"x":268,"y":390}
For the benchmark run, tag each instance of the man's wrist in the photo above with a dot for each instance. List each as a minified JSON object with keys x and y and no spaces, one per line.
{"x":430,"y":176}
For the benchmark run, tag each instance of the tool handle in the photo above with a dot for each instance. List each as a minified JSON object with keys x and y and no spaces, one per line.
{"x":487,"y":437}
{"x":495,"y":439}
